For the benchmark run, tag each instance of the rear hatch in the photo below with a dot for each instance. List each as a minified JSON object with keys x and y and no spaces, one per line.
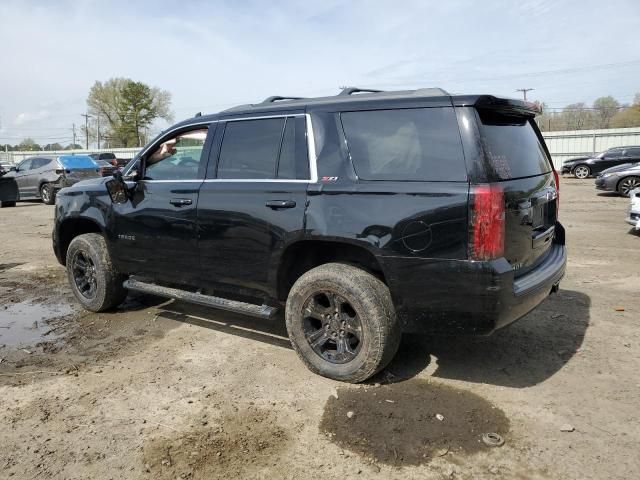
{"x":518,"y":164}
{"x":78,"y":167}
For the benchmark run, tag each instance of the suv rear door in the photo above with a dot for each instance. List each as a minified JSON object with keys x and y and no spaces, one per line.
{"x":252,"y":202}
{"x":517,"y":161}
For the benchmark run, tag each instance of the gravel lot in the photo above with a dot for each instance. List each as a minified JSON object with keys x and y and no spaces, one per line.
{"x":162,"y":389}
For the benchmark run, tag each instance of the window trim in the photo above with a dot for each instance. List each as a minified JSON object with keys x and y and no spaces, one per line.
{"x":311,"y":153}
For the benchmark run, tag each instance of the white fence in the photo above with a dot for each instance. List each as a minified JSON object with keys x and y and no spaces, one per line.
{"x":16,"y":157}
{"x":562,"y":145}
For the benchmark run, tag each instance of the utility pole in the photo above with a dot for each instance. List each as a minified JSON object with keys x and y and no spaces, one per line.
{"x":524,"y":91}
{"x":74,"y":135}
{"x":98,"y":122}
{"x":86,"y":127}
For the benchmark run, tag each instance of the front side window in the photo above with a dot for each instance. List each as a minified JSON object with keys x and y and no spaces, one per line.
{"x":177,"y":158}
{"x":26,"y":165}
{"x":420,"y":144}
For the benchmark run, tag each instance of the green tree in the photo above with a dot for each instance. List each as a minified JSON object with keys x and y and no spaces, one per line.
{"x":577,"y":116}
{"x":127,"y":108}
{"x":73,"y":146}
{"x":605,"y":109}
{"x":28,"y":144}
{"x":629,"y":116}
{"x":53,"y":146}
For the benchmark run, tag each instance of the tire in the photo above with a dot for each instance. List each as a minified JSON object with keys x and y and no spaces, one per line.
{"x":627,"y":184}
{"x":581,"y":172}
{"x":101,"y":287}
{"x":47,"y":194}
{"x":7,"y":204}
{"x":358,"y":341}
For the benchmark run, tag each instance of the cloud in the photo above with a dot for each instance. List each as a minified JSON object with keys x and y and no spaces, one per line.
{"x":28,"y":117}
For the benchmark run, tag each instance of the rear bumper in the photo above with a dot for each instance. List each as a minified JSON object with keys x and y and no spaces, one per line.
{"x":466,"y":297}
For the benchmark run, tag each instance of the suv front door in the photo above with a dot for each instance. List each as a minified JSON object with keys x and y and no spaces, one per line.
{"x":155,"y":232}
{"x":252,"y":203}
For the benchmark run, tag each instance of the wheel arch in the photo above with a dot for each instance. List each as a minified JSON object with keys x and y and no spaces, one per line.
{"x":623,"y":179}
{"x":303,"y":255}
{"x":71,"y":228}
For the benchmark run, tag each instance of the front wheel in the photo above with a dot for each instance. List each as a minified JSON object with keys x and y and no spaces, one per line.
{"x":628,"y":184}
{"x":581,"y":171}
{"x":342,"y":323}
{"x":92,"y":276}
{"x":47,"y":194}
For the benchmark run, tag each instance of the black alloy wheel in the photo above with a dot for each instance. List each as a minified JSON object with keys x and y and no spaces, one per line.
{"x":332,"y":327}
{"x":84,"y":274}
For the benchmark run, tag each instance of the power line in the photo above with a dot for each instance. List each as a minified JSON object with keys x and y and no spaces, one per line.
{"x":524,"y":91}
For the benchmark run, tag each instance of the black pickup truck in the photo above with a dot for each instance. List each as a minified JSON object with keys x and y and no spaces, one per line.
{"x":364,"y":215}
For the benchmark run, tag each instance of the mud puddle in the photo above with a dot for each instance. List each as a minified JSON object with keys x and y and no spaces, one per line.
{"x":235,"y":446}
{"x":410,"y":423}
{"x":27,"y":323}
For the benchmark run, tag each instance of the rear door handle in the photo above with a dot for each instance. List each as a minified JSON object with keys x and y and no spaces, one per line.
{"x":275,"y":204}
{"x":180,"y":202}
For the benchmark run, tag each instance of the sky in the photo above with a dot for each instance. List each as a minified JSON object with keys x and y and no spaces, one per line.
{"x":211,"y":55}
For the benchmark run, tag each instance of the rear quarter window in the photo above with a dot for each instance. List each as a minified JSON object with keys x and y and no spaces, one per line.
{"x":417,"y":144}
{"x":511,"y":146}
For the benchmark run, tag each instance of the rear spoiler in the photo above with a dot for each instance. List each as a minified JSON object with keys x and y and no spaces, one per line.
{"x":505,"y":105}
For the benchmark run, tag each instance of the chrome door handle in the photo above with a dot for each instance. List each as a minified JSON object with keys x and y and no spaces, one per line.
{"x":180,"y":202}
{"x":276,"y":204}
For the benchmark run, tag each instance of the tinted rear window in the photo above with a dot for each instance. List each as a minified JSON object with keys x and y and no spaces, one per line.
{"x":420,"y":144}
{"x":511,"y":146}
{"x":250,"y":148}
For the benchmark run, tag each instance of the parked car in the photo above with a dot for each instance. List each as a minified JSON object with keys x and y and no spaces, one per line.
{"x":363,"y":215}
{"x":106,"y":169}
{"x":634,"y":209}
{"x":583,"y":167}
{"x":621,"y":180}
{"x":111,"y":158}
{"x":42,"y":177}
{"x":4,"y":168}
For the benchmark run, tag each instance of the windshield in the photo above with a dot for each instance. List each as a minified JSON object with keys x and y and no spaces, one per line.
{"x":76,"y":161}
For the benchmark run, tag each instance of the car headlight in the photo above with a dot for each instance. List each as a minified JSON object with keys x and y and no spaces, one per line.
{"x":605,"y":175}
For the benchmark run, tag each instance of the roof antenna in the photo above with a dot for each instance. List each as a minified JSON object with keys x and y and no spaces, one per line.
{"x":199,"y":114}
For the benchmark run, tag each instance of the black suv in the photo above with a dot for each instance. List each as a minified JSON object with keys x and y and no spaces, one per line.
{"x":365,"y":215}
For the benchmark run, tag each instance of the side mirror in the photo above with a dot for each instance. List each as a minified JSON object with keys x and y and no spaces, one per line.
{"x":118,"y":189}
{"x":13,"y":169}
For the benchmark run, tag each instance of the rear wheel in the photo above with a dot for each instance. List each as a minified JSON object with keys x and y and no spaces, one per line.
{"x":627,"y":184}
{"x":92,"y":276}
{"x":581,"y":171}
{"x":342,"y":323}
{"x":47,"y":194}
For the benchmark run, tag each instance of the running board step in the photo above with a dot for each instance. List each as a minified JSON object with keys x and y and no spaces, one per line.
{"x":262,"y":311}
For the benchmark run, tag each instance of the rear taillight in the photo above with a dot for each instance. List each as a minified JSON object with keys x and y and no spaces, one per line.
{"x":557,"y":178}
{"x":487,"y":222}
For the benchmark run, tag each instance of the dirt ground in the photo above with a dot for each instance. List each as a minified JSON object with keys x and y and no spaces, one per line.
{"x":160,"y":389}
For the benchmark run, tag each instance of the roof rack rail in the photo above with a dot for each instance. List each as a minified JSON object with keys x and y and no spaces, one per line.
{"x":277,"y":98}
{"x":352,"y":90}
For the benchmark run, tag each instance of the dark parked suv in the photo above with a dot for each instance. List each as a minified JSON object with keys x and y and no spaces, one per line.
{"x":363,"y":215}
